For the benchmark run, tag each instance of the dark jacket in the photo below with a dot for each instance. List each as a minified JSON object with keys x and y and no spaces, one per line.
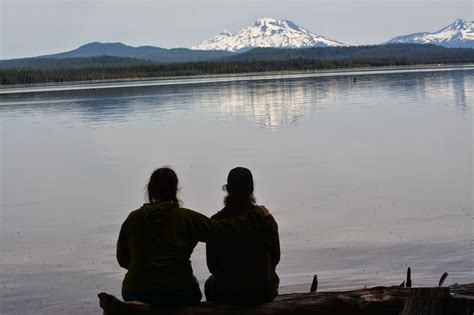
{"x":245,"y":261}
{"x":156,"y":242}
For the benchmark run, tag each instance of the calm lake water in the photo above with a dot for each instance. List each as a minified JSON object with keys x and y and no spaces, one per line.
{"x":364,"y":178}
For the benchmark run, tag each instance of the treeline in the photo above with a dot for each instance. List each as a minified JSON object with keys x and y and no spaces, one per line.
{"x":16,"y":76}
{"x":410,"y":52}
{"x":76,"y":62}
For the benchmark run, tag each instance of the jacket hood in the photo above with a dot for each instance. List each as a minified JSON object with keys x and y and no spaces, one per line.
{"x":158,"y":211}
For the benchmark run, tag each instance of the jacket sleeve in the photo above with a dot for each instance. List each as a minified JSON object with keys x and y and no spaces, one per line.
{"x":123,"y":252}
{"x":203,"y":229}
{"x":212,"y":259}
{"x":276,"y":245}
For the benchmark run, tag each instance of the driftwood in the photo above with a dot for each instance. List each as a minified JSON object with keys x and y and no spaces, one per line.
{"x":408,"y":283}
{"x":441,"y":280}
{"x":435,"y":301}
{"x":314,"y":285}
{"x":377,"y":300}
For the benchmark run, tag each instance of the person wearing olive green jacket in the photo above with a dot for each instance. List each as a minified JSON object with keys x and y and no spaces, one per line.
{"x":156,"y":242}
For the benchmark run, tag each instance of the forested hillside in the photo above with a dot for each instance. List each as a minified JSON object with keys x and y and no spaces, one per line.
{"x":43,"y":63}
{"x":408,"y":52}
{"x":256,"y":60}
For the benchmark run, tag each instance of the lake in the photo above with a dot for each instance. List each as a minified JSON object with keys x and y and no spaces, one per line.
{"x":364,"y":178}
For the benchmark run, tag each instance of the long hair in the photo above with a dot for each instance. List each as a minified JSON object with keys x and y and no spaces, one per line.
{"x":239,"y":188}
{"x":163,"y":186}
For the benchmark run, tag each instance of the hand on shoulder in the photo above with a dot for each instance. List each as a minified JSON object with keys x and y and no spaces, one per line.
{"x":263,"y":210}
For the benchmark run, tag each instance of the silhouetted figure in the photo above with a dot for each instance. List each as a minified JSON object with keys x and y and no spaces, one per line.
{"x":156,"y":242}
{"x":243,"y":265}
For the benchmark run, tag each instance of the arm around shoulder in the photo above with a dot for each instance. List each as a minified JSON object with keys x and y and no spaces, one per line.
{"x":204,"y":229}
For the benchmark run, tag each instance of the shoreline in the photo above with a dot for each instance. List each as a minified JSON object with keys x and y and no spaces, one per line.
{"x":214,"y":78}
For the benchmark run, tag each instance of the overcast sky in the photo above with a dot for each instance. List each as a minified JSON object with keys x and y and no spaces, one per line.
{"x":37,"y":27}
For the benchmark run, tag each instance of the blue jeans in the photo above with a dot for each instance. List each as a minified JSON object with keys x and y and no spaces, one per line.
{"x":179,"y":298}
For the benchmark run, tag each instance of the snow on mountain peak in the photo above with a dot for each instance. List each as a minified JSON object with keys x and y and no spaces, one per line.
{"x":460,"y":33}
{"x":225,"y":33}
{"x":267,"y":32}
{"x":263,"y":21}
{"x":460,"y":24}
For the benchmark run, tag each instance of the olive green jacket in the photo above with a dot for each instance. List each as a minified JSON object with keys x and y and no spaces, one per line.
{"x":156,"y":242}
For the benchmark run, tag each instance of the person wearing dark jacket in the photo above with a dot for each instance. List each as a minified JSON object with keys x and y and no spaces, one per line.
{"x":156,"y":242}
{"x":243,"y":265}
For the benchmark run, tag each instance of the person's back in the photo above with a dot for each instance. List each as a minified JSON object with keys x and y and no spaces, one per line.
{"x":160,"y":240}
{"x":243,"y":266}
{"x":156,"y":241}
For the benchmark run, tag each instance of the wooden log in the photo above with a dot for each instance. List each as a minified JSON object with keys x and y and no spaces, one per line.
{"x":377,"y":300}
{"x":435,"y":301}
{"x":464,"y":289}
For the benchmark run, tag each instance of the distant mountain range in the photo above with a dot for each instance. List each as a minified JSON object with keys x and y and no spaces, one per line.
{"x":152,"y":53}
{"x":273,"y":33}
{"x":267,"y":32}
{"x":264,"y":33}
{"x":341,"y":56}
{"x":458,"y":34}
{"x":105,"y":68}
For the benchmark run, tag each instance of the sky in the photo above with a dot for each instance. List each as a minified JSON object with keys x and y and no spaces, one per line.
{"x":37,"y":27}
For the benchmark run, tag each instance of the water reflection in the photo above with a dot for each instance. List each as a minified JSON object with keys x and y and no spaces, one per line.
{"x":455,"y":86}
{"x":259,"y":103}
{"x":268,"y":103}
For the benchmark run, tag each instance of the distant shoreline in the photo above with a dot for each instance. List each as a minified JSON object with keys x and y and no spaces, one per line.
{"x":214,"y":78}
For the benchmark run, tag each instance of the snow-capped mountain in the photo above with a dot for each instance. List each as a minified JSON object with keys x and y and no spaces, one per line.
{"x":458,"y":34}
{"x":267,"y":32}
